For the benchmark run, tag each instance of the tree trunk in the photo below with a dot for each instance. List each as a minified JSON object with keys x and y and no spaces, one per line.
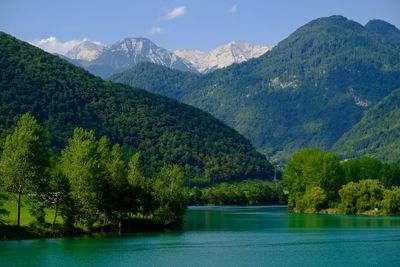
{"x":19,"y":209}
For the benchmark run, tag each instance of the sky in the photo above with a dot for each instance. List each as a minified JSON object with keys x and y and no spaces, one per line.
{"x":172,"y":24}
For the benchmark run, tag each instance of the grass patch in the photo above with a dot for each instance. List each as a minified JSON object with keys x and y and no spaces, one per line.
{"x":26,"y":218}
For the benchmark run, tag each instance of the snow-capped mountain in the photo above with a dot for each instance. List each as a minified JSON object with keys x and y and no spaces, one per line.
{"x":222,"y":56}
{"x":105,"y":61}
{"x":85,"y":50}
{"x":128,"y":52}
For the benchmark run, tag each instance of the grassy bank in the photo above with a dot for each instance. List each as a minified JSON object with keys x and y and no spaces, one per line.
{"x":30,"y":229}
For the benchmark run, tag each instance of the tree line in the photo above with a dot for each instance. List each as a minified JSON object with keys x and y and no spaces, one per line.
{"x":88,"y":184}
{"x":318,"y":181}
{"x":248,"y":192}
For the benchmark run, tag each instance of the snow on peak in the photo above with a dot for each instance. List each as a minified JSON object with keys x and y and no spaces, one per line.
{"x":234,"y":52}
{"x":86,"y":50}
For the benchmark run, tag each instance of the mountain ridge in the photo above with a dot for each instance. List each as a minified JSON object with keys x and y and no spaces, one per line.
{"x":377,"y":134}
{"x":307,"y":91}
{"x":105,"y":60}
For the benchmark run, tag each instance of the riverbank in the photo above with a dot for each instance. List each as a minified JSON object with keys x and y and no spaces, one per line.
{"x":33,"y":231}
{"x":336,"y":211}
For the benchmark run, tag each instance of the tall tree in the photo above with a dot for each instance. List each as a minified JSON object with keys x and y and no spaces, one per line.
{"x":310,"y":168}
{"x":58,"y":196}
{"x":24,"y":159}
{"x":142,"y":187}
{"x":170,"y":195}
{"x":81,"y":164}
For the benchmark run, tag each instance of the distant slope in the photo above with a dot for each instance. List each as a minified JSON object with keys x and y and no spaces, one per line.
{"x":63,"y":97}
{"x":159,"y":79}
{"x":306,"y":92}
{"x":377,"y":134}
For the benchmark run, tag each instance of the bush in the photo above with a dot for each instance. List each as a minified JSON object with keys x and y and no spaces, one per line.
{"x":391,"y":201}
{"x":315,"y":199}
{"x":362,"y":196}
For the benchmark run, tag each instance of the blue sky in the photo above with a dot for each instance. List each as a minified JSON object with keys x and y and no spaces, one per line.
{"x":194,"y":24}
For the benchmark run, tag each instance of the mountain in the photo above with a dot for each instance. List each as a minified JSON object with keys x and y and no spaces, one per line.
{"x":388,"y":32}
{"x":130,"y":51}
{"x":86,"y":50}
{"x":160,"y":79}
{"x":62,"y":96}
{"x":377,"y":134}
{"x":307,"y":91}
{"x":223,"y":56}
{"x":107,"y":60}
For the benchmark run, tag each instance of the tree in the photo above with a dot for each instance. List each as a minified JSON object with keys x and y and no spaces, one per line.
{"x":390,"y":175}
{"x":314,"y":199}
{"x":349,"y":195}
{"x":58,"y":196}
{"x":362,"y":169}
{"x":81,"y":164}
{"x":391,"y":201}
{"x":312,"y":167}
{"x":170,"y":195}
{"x":362,"y":196}
{"x":24,"y":160}
{"x":142,"y":187}
{"x":116,"y":193}
{"x":370,"y":195}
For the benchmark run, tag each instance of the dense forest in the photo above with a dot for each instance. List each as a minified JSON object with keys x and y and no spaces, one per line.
{"x":308,"y":91}
{"x":318,"y":181}
{"x":248,"y":192}
{"x":63,"y":97}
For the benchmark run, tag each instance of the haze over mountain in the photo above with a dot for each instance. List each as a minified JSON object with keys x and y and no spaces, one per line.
{"x":62,"y":96}
{"x":222,"y":56}
{"x":308,"y":91}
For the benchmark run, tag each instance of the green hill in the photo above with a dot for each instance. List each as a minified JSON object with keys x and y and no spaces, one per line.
{"x":377,"y":134}
{"x":63,"y":97}
{"x":306,"y":92}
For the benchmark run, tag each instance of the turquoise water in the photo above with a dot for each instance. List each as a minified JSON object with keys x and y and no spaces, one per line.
{"x":228,"y":236}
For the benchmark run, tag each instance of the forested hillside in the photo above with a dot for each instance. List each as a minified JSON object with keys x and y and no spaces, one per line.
{"x":63,"y":97}
{"x":377,"y":134}
{"x":306,"y":92}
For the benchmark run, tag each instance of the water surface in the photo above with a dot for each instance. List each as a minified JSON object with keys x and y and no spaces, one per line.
{"x":228,"y":236}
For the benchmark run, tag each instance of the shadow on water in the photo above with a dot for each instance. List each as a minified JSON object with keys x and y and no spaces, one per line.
{"x":273,"y":218}
{"x":340,"y":221}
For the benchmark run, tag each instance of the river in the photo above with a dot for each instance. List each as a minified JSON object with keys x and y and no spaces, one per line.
{"x":227,"y":236}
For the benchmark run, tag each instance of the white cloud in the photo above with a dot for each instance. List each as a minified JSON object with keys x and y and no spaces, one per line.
{"x":233,"y":9}
{"x":155,"y":30}
{"x":53,"y":45}
{"x":175,"y":12}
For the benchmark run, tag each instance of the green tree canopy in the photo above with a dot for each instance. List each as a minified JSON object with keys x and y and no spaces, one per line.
{"x":81,"y":164}
{"x":310,"y":168}
{"x":24,"y":160}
